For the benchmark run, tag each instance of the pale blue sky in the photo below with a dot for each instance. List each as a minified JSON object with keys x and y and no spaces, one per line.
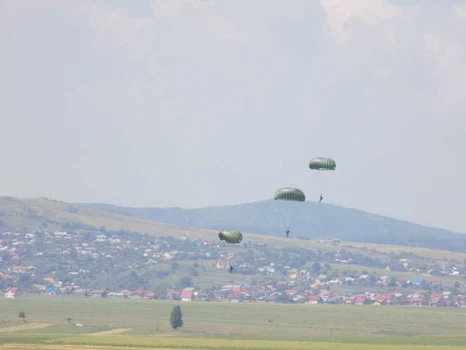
{"x":200,"y":102}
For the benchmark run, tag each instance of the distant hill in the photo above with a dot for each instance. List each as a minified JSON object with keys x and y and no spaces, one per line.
{"x":311,"y":220}
{"x":50,"y":215}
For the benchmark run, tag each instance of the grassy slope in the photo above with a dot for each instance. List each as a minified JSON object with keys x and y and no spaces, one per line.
{"x":310,"y":220}
{"x":16,"y":213}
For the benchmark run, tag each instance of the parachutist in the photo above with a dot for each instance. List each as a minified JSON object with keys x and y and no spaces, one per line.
{"x":322,"y":164}
{"x":289,"y":194}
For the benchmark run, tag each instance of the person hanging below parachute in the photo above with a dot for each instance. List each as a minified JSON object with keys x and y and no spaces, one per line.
{"x":232,"y":237}
{"x":322,"y":164}
{"x":288,"y":194}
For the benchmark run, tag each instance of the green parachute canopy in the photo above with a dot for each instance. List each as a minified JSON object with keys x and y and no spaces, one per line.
{"x":322,"y":164}
{"x":290,"y":194}
{"x":230,"y":236}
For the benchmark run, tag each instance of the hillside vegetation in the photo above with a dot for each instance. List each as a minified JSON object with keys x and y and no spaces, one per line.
{"x":54,"y":248}
{"x":311,"y":220}
{"x":42,"y":213}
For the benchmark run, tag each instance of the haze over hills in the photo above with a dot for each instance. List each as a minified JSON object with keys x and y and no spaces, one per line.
{"x":310,"y":220}
{"x":321,"y":220}
{"x":50,"y":215}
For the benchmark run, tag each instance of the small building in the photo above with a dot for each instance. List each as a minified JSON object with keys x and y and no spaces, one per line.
{"x":315,"y":299}
{"x":11,"y":292}
{"x":222,"y":264}
{"x":53,"y":291}
{"x":186,"y":295}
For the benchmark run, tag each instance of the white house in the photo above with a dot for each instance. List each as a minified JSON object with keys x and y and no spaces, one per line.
{"x":11,"y":293}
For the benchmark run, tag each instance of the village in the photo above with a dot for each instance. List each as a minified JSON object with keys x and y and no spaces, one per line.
{"x":139,"y":266}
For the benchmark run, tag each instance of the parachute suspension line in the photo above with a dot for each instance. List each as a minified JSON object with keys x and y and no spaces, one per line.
{"x":287,"y":214}
{"x":325,"y":179}
{"x":286,"y":223}
{"x":290,"y":213}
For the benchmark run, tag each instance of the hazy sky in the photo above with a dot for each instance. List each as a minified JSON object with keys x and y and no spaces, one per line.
{"x":195,"y":102}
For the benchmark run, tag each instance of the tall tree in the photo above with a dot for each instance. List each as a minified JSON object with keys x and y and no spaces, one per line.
{"x":176,"y":319}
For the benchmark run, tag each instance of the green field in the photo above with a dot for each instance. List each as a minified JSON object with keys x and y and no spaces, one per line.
{"x":145,"y":324}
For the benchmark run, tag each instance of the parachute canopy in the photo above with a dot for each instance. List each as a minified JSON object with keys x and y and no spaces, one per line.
{"x":230,"y":236}
{"x":290,"y":194}
{"x":322,"y":164}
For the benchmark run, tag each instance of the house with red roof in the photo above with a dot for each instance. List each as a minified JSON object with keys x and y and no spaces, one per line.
{"x":186,"y":295}
{"x":361,"y":300}
{"x":315,"y":299}
{"x":222,"y":264}
{"x":437,"y":299}
{"x":11,"y":292}
{"x":384,"y":299}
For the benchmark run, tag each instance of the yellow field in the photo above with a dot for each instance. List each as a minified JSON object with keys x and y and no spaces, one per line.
{"x":216,"y":343}
{"x":73,"y":347}
{"x":114,"y":343}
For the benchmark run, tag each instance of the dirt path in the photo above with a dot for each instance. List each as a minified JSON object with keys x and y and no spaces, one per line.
{"x":25,"y":327}
{"x":111,"y":332}
{"x":74,"y":347}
